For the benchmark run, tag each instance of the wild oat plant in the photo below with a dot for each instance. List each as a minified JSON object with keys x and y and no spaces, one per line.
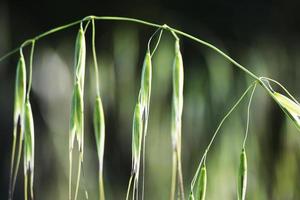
{"x":24,"y":134}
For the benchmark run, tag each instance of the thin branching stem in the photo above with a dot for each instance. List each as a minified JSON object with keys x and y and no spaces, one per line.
{"x":227,"y":115}
{"x":10,"y":194}
{"x":113,"y":18}
{"x":157,"y":43}
{"x":78,"y":174}
{"x":280,"y":85}
{"x":30,"y":68}
{"x":129,"y":187}
{"x":147,"y":109}
{"x":173,"y":178}
{"x":217,"y":130}
{"x":95,"y":57}
{"x":18,"y":160}
{"x":248,"y":114}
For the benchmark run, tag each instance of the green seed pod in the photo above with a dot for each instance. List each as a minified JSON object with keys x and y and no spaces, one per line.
{"x":291,"y":108}
{"x":99,"y":128}
{"x":146,"y":81}
{"x":20,"y":89}
{"x":80,"y":57}
{"x":79,"y":115}
{"x":137,"y":132}
{"x":76,"y":118}
{"x":29,"y":138}
{"x":177,"y":104}
{"x":201,"y":184}
{"x":178,"y":79}
{"x":242,"y":177}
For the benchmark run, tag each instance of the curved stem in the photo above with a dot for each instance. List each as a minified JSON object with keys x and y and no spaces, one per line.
{"x":157,"y":43}
{"x":10,"y":193}
{"x":217,"y":50}
{"x":129,"y":187}
{"x":95,"y":57}
{"x":248,"y":115}
{"x":280,"y":85}
{"x":18,"y":159}
{"x":173,"y":179}
{"x":78,"y":174}
{"x":86,"y":26}
{"x":30,"y":68}
{"x":166,"y":27}
{"x":227,"y":115}
{"x":217,"y":130}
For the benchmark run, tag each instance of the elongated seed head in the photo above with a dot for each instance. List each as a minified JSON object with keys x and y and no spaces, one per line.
{"x":137,"y":132}
{"x":29,"y":138}
{"x":80,"y":57}
{"x":146,"y":81}
{"x":291,"y":108}
{"x":177,"y":104}
{"x":178,"y":79}
{"x":20,"y":89}
{"x":76,"y":118}
{"x":200,"y":189}
{"x":99,"y":128}
{"x":242,"y":177}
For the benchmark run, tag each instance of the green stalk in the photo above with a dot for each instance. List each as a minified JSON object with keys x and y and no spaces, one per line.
{"x":10,"y":195}
{"x":203,"y":159}
{"x":101,"y":187}
{"x":101,"y":184}
{"x":70,"y":175}
{"x":95,"y":57}
{"x":18,"y":161}
{"x":173,"y":181}
{"x":25,"y":186}
{"x":129,"y":187}
{"x":30,"y":68}
{"x":248,"y":115}
{"x":180,"y":177}
{"x":78,"y":175}
{"x":113,"y":18}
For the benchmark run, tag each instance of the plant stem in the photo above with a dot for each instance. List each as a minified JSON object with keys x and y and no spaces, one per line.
{"x":70,"y":174}
{"x":25,"y":186}
{"x":101,"y":187}
{"x":129,"y":186}
{"x":95,"y":57}
{"x":18,"y":159}
{"x":113,"y":18}
{"x":217,"y":50}
{"x":10,"y":194}
{"x":280,"y":85}
{"x":180,"y":176}
{"x":78,"y":174}
{"x":248,"y":115}
{"x":30,"y":68}
{"x":217,"y":130}
{"x":174,"y":173}
{"x":227,"y":115}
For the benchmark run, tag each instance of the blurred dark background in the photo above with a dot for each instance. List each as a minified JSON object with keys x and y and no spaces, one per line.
{"x":261,"y":35}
